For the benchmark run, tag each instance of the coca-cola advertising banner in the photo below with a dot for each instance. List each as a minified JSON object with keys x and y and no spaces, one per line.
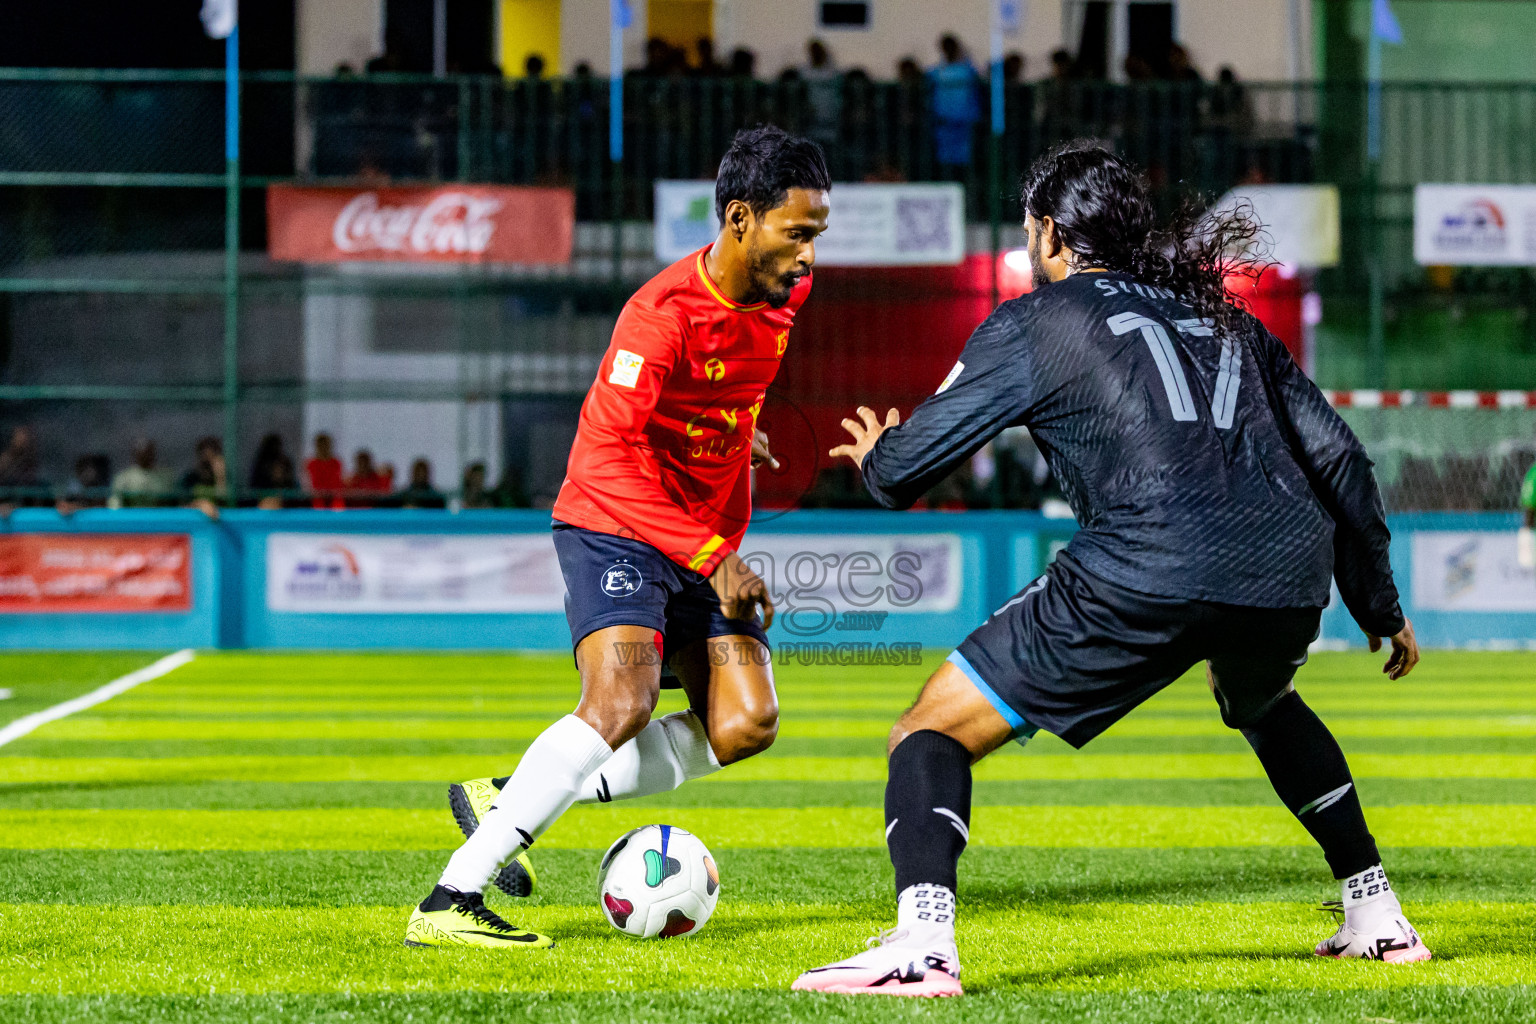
{"x":442,"y":224}
{"x":91,"y":572}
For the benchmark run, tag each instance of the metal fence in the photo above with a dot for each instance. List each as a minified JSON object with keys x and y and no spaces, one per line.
{"x":115,"y":205}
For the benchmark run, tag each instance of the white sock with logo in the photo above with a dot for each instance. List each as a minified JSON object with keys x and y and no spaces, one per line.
{"x":927,"y":914}
{"x":538,"y":792}
{"x":1368,"y":898}
{"x":667,"y":753}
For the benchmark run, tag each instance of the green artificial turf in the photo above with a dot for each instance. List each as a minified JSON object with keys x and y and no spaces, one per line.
{"x":241,"y":840}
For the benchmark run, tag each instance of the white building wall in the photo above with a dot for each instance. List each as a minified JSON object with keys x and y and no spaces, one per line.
{"x":330,"y":32}
{"x":1253,"y":36}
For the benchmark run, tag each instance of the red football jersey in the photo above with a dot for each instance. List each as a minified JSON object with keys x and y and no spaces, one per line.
{"x":664,"y":448}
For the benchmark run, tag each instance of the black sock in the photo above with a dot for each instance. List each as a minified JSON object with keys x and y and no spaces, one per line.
{"x":1308,"y":771}
{"x":927,"y":809}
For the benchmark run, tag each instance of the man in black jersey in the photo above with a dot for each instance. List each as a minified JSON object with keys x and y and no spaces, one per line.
{"x":1216,"y":493}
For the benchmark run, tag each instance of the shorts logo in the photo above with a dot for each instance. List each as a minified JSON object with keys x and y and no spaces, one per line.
{"x":621,"y":580}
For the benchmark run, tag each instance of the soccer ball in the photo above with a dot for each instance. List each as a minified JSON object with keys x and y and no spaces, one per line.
{"x":658,"y":881}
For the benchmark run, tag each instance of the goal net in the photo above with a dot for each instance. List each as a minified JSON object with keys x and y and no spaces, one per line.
{"x":1447,"y":450}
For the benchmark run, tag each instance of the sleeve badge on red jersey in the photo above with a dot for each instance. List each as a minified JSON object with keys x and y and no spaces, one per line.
{"x":626,"y":368}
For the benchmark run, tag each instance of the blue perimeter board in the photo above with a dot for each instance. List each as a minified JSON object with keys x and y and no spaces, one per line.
{"x":1002,"y":552}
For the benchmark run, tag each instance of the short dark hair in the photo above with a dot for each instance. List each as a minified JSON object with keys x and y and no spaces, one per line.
{"x":763,"y":164}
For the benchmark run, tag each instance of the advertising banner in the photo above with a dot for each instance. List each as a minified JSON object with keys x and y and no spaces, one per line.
{"x":444,"y":224}
{"x":899,"y":225}
{"x":826,"y":583}
{"x":1301,"y":222}
{"x":1474,"y":225}
{"x":89,"y":572}
{"x":1466,"y":571}
{"x":412,"y":573}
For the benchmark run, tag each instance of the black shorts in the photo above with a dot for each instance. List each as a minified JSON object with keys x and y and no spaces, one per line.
{"x":619,"y":581}
{"x":1073,"y":653}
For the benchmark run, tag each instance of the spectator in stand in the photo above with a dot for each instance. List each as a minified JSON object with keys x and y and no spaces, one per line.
{"x":1231,"y":111}
{"x":1056,"y":116}
{"x":824,"y":92}
{"x":1013,"y":68}
{"x":324,"y":472}
{"x":509,"y":492}
{"x":743,"y":63}
{"x":705,"y":65}
{"x":206,"y":484}
{"x":19,"y":483}
{"x":420,"y":493}
{"x":1180,"y":67}
{"x":533,"y":67}
{"x":956,"y":107}
{"x":272,"y":469}
{"x":1137,"y":69}
{"x":367,"y":483}
{"x":284,"y":490}
{"x":90,"y":485}
{"x":658,"y":58}
{"x":472,"y":492}
{"x":143,"y":484}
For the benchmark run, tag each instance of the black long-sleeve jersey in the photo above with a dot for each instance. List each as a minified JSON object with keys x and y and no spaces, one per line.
{"x":1200,"y":463}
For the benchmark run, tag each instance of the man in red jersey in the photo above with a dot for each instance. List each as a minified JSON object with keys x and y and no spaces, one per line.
{"x":656,"y":498}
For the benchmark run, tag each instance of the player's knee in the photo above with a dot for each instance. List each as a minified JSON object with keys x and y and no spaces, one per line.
{"x":618,"y":708}
{"x":748,"y":731}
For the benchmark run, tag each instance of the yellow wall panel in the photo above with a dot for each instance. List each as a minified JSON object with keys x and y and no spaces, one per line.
{"x":529,"y":27}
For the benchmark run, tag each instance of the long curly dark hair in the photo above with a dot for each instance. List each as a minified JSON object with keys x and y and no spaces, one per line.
{"x":1103,"y":211}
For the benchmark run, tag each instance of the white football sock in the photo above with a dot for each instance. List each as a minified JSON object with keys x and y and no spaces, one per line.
{"x":927,"y":914}
{"x":666,"y":754}
{"x":538,"y":792}
{"x":1368,"y":898}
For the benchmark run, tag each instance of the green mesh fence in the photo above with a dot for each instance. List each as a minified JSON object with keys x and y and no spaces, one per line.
{"x":112,"y":228}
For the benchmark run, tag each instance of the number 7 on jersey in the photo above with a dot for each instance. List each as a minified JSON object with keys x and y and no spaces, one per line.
{"x":1228,"y":377}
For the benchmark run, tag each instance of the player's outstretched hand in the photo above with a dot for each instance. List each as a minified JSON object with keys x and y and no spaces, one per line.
{"x":1405,"y":651}
{"x":740,"y":589}
{"x":866,"y":430}
{"x":760,"y":452}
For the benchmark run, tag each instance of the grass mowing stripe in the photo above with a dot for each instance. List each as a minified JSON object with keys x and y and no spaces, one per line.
{"x":26,"y":724}
{"x":83,"y":728}
{"x":154,"y":950}
{"x":33,"y":771}
{"x":705,"y":1004}
{"x":509,"y":703}
{"x":498,"y":755}
{"x":430,"y":795}
{"x":40,"y":680}
{"x":996,"y":877}
{"x":594,"y":827}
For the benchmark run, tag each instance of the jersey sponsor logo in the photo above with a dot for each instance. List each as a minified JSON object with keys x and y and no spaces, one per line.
{"x":714,"y":369}
{"x":626,"y":368}
{"x":621,"y":580}
{"x":954,"y":371}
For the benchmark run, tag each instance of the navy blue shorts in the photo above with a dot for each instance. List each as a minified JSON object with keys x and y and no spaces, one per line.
{"x":1073,"y":653}
{"x":620,"y":581}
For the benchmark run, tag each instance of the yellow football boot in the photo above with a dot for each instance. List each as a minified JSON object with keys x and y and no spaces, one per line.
{"x":470,"y":801}
{"x":452,"y":918}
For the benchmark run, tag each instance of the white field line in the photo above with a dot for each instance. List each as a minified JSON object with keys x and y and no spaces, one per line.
{"x":170,"y":663}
